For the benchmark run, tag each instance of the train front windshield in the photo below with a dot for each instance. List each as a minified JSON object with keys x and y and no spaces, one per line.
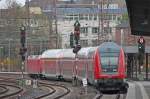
{"x":109,"y":62}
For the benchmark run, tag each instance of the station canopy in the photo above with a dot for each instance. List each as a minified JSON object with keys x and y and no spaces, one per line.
{"x":134,"y":49}
{"x":139,"y":15}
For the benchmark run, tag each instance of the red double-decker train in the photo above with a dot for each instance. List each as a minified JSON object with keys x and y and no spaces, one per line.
{"x":102,"y":66}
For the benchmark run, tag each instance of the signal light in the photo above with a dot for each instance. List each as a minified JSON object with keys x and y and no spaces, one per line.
{"x":23,"y":57}
{"x":22,"y":41}
{"x":76,"y":49}
{"x":23,"y":51}
{"x":23,"y":36}
{"x":141,"y":45}
{"x":141,"y":49}
{"x":71,"y":40}
{"x":77,"y":32}
{"x":77,"y":24}
{"x":76,"y":37}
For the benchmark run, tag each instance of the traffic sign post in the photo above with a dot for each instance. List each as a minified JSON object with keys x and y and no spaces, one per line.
{"x":72,"y":40}
{"x":85,"y":83}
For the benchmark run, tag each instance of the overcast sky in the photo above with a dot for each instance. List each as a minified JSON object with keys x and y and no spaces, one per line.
{"x":2,"y":3}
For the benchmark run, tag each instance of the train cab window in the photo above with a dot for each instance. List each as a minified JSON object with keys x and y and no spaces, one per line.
{"x":109,"y":63}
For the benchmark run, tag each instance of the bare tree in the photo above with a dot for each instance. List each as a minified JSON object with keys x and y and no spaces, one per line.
{"x":12,"y":4}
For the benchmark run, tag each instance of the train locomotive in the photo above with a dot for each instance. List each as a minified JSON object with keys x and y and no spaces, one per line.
{"x":103,"y":66}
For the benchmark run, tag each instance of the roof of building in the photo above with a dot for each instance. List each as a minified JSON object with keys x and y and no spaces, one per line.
{"x":86,"y":11}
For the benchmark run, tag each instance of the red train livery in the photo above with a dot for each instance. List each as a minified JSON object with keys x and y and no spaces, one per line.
{"x":102,"y":66}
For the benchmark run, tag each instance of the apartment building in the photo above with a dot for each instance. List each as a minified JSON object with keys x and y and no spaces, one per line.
{"x":98,"y":19}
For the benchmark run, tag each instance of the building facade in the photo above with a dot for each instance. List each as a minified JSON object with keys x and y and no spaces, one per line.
{"x":98,"y":22}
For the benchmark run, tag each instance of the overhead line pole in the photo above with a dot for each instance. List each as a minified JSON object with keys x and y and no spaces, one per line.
{"x":99,"y":23}
{"x":101,"y":20}
{"x":56,"y":28}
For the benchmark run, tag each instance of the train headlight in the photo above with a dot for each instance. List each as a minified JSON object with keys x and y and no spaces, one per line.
{"x":124,"y":80}
{"x":104,"y":70}
{"x":114,"y":70}
{"x":95,"y":81}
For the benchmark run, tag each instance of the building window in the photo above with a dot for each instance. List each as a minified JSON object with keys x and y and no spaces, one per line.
{"x":69,"y":17}
{"x":84,"y":30}
{"x":108,"y":17}
{"x":113,"y":6}
{"x":95,"y":30}
{"x":95,"y":17}
{"x":81,"y":17}
{"x":76,"y":17}
{"x":90,"y":16}
{"x":94,"y":42}
{"x":84,"y":43}
{"x":107,"y":30}
{"x":86,"y":17}
{"x":114,"y":17}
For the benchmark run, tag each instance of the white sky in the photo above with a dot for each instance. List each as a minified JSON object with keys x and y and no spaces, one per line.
{"x":2,"y":3}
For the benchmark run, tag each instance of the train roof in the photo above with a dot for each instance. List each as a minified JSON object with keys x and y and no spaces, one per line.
{"x":51,"y":53}
{"x":58,"y":53}
{"x":109,"y":46}
{"x":67,"y":53}
{"x":34,"y":56}
{"x":86,"y":52}
{"x":83,"y":53}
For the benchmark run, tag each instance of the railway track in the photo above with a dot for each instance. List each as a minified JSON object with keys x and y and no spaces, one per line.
{"x":56,"y":91}
{"x":3,"y":89}
{"x":51,"y":91}
{"x":10,"y":90}
{"x":117,"y":96}
{"x":55,"y":94}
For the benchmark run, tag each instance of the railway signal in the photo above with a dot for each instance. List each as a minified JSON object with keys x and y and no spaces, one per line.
{"x":141,"y":45}
{"x":141,"y":49}
{"x":23,"y":36}
{"x":22,"y":53}
{"x":77,"y":32}
{"x":71,"y":40}
{"x":23,"y":49}
{"x":77,"y":48}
